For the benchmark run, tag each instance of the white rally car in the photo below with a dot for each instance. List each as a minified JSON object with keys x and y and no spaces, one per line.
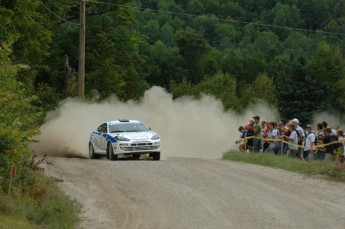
{"x":124,"y":137}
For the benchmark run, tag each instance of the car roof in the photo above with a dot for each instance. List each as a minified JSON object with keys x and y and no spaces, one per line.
{"x":123,"y":121}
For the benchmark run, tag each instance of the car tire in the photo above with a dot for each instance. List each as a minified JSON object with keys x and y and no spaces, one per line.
{"x":92,"y":154}
{"x":136,"y":156}
{"x":156,"y":156}
{"x":110,"y":153}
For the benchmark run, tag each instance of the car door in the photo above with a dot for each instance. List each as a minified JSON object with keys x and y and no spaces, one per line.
{"x":103,"y":138}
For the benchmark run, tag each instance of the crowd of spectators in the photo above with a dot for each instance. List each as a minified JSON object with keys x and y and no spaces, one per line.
{"x":292,"y":139}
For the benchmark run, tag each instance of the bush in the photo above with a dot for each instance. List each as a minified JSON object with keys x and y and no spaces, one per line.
{"x":45,"y":206}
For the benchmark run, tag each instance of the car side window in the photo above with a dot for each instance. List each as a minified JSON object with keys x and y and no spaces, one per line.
{"x":102,"y":128}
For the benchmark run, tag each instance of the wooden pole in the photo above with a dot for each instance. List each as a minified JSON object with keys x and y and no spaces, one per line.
{"x":81,"y":77}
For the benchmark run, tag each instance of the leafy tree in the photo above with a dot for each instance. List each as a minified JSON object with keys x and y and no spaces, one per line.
{"x":328,"y":68}
{"x":263,"y":89}
{"x":184,"y":88}
{"x":267,"y":43}
{"x":244,"y":67}
{"x":165,"y":65}
{"x":298,"y":92}
{"x":223,"y":87}
{"x":193,"y":47}
{"x":286,"y":15}
{"x":19,"y":120}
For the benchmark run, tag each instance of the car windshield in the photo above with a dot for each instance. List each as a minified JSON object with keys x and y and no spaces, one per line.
{"x":127,"y":127}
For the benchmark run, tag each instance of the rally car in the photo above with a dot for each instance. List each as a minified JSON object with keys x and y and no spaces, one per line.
{"x":124,"y":137}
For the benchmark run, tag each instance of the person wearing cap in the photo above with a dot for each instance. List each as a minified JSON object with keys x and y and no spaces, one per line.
{"x":257,"y":134}
{"x":309,"y":146}
{"x":301,"y":134}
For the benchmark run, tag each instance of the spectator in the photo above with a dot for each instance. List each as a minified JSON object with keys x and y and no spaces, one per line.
{"x":331,"y":148}
{"x":309,"y":146}
{"x":293,"y":138}
{"x":266,"y":128}
{"x":250,"y":133}
{"x":341,"y":139}
{"x":273,"y":134}
{"x":244,"y":145}
{"x":257,"y":134}
{"x":281,"y":129}
{"x":320,"y":153}
{"x":301,"y":134}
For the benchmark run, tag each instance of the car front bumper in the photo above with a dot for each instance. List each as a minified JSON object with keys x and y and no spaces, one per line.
{"x":137,"y":147}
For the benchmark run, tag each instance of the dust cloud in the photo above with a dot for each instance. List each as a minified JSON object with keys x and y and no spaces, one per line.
{"x":331,"y":119}
{"x":188,"y":127}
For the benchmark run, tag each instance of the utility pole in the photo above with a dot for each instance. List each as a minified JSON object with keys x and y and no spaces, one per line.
{"x":81,"y":72}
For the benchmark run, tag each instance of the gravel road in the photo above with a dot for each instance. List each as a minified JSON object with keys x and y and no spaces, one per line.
{"x":197,"y":193}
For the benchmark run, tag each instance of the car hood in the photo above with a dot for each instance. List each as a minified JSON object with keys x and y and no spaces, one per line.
{"x":136,"y":135}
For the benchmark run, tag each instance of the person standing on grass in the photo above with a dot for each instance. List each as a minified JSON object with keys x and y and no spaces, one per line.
{"x":331,"y":147}
{"x":293,"y":138}
{"x":300,"y":133}
{"x":273,"y":134}
{"x":257,"y":134}
{"x":341,"y":139}
{"x":309,"y":146}
{"x":320,"y":153}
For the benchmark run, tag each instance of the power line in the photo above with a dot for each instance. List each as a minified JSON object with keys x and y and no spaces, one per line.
{"x":220,"y":19}
{"x":72,"y":6}
{"x":62,"y":19}
{"x":66,"y":6}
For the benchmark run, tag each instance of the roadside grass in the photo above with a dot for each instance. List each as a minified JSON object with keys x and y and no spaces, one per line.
{"x":49,"y":209}
{"x":331,"y":170}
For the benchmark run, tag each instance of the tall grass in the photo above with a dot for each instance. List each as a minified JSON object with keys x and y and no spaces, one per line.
{"x":51,"y":209}
{"x":331,"y":170}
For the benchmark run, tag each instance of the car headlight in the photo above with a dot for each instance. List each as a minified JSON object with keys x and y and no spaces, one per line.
{"x":155,"y":137}
{"x":122,"y":138}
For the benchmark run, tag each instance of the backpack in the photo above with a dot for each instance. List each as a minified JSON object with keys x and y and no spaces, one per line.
{"x":299,"y":141}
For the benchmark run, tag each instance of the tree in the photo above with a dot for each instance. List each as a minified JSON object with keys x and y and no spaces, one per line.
{"x":223,"y":87}
{"x":286,"y":15}
{"x":298,"y":92}
{"x":193,"y":47}
{"x":165,"y":64}
{"x":19,"y":119}
{"x":328,"y":68}
{"x":262,"y":89}
{"x":242,"y":65}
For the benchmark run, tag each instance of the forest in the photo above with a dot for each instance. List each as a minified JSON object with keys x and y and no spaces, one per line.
{"x":287,"y":53}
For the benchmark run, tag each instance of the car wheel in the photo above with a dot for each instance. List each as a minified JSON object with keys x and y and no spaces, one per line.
{"x":111,"y":155}
{"x":136,"y":156}
{"x":156,"y":156}
{"x":92,"y":154}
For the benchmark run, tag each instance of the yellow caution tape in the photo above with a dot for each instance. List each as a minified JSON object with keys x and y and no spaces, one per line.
{"x":293,"y":144}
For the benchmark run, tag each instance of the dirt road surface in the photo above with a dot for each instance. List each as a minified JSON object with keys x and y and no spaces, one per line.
{"x":197,"y":193}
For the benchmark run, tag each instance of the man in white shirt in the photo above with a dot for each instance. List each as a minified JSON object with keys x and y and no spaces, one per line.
{"x":309,"y":146}
{"x":301,"y":134}
{"x":293,"y":138}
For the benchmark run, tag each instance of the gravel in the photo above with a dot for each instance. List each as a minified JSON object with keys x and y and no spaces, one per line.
{"x":197,"y":193}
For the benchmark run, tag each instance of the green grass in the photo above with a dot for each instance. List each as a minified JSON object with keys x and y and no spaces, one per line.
{"x":52,"y":209}
{"x":331,"y":170}
{"x":14,"y":222}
